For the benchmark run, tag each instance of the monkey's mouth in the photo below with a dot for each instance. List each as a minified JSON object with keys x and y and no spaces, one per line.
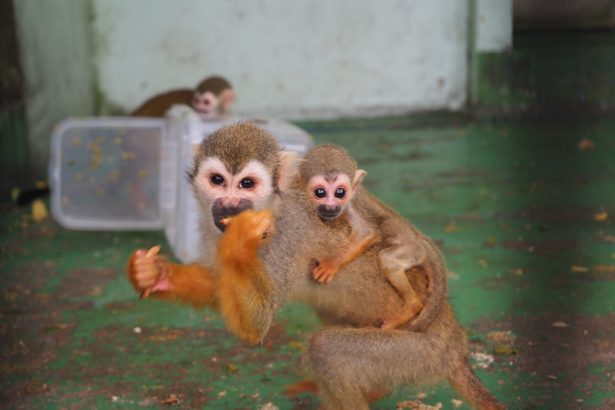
{"x":218,"y":214}
{"x":329,"y":214}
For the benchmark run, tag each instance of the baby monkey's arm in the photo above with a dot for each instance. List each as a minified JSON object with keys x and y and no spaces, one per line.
{"x":325,"y":269}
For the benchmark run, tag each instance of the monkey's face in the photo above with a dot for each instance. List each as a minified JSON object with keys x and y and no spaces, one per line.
{"x":330,"y":194}
{"x":205,"y":103}
{"x":223,"y":193}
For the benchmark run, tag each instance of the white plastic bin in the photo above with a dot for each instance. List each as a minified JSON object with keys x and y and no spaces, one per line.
{"x":126,"y":173}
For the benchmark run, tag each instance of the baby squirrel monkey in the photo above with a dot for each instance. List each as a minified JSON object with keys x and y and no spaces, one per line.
{"x":333,"y":182}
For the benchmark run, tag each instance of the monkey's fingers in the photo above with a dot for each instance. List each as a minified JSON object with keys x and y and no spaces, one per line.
{"x":148,"y":270}
{"x":327,"y":277}
{"x":324,"y":274}
{"x":153,"y":251}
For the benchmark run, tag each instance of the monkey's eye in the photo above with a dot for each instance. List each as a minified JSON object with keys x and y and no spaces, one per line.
{"x":320,"y":193}
{"x":247,"y":183}
{"x":217,"y":179}
{"x":340,"y":193}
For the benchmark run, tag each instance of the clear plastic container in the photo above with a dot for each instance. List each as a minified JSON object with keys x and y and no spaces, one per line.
{"x":127,"y":173}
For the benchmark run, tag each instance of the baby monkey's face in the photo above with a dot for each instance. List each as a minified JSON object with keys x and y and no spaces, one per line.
{"x":330,"y":194}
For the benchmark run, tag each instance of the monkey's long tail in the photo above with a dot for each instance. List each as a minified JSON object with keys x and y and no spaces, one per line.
{"x":470,"y":387}
{"x":436,"y":298}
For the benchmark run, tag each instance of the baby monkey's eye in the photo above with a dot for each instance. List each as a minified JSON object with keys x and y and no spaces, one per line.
{"x":247,"y":183}
{"x":340,"y":193}
{"x":320,"y":193}
{"x":217,"y":179}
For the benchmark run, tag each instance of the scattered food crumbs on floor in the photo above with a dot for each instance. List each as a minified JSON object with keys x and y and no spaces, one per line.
{"x":456,"y":403}
{"x":586,"y":144}
{"x":417,"y":405}
{"x":39,"y":210}
{"x":296,"y":346}
{"x":504,"y":350}
{"x":172,"y":399}
{"x":15,"y":194}
{"x":517,"y":271}
{"x":452,"y":275}
{"x":148,"y":402}
{"x":482,"y":360}
{"x":501,"y":336}
{"x":491,"y":242}
{"x":269,"y":406}
{"x":560,"y":324}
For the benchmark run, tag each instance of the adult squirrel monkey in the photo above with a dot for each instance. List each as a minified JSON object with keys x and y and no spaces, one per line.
{"x":249,"y":277}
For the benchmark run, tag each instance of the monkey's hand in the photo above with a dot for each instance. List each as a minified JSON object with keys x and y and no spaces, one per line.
{"x":245,"y":290}
{"x":242,"y":238}
{"x":324,"y":270}
{"x":147,"y":272}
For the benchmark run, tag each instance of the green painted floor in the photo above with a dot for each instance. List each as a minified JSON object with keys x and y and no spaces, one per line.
{"x":523,"y":211}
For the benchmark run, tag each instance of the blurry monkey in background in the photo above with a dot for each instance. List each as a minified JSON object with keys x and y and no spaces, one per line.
{"x":211,"y":99}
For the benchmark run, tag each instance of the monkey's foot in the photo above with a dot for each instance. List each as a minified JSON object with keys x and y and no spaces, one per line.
{"x":324,"y":271}
{"x":410,"y":311}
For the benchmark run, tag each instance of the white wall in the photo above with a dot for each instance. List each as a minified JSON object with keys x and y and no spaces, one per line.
{"x":288,"y":59}
{"x":494,"y":21}
{"x":57,"y":64}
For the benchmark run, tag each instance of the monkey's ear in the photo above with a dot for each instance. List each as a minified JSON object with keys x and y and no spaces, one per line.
{"x":228,"y":96}
{"x":289,"y":165}
{"x":358,"y":178}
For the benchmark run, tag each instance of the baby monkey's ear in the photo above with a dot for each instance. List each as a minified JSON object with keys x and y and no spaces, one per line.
{"x":358,"y":178}
{"x":289,"y":167}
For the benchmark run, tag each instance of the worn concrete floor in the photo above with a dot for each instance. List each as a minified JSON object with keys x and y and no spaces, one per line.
{"x":523,"y":211}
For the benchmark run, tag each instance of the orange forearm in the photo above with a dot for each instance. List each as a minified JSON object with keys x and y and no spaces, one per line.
{"x":192,"y":284}
{"x":357,"y":247}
